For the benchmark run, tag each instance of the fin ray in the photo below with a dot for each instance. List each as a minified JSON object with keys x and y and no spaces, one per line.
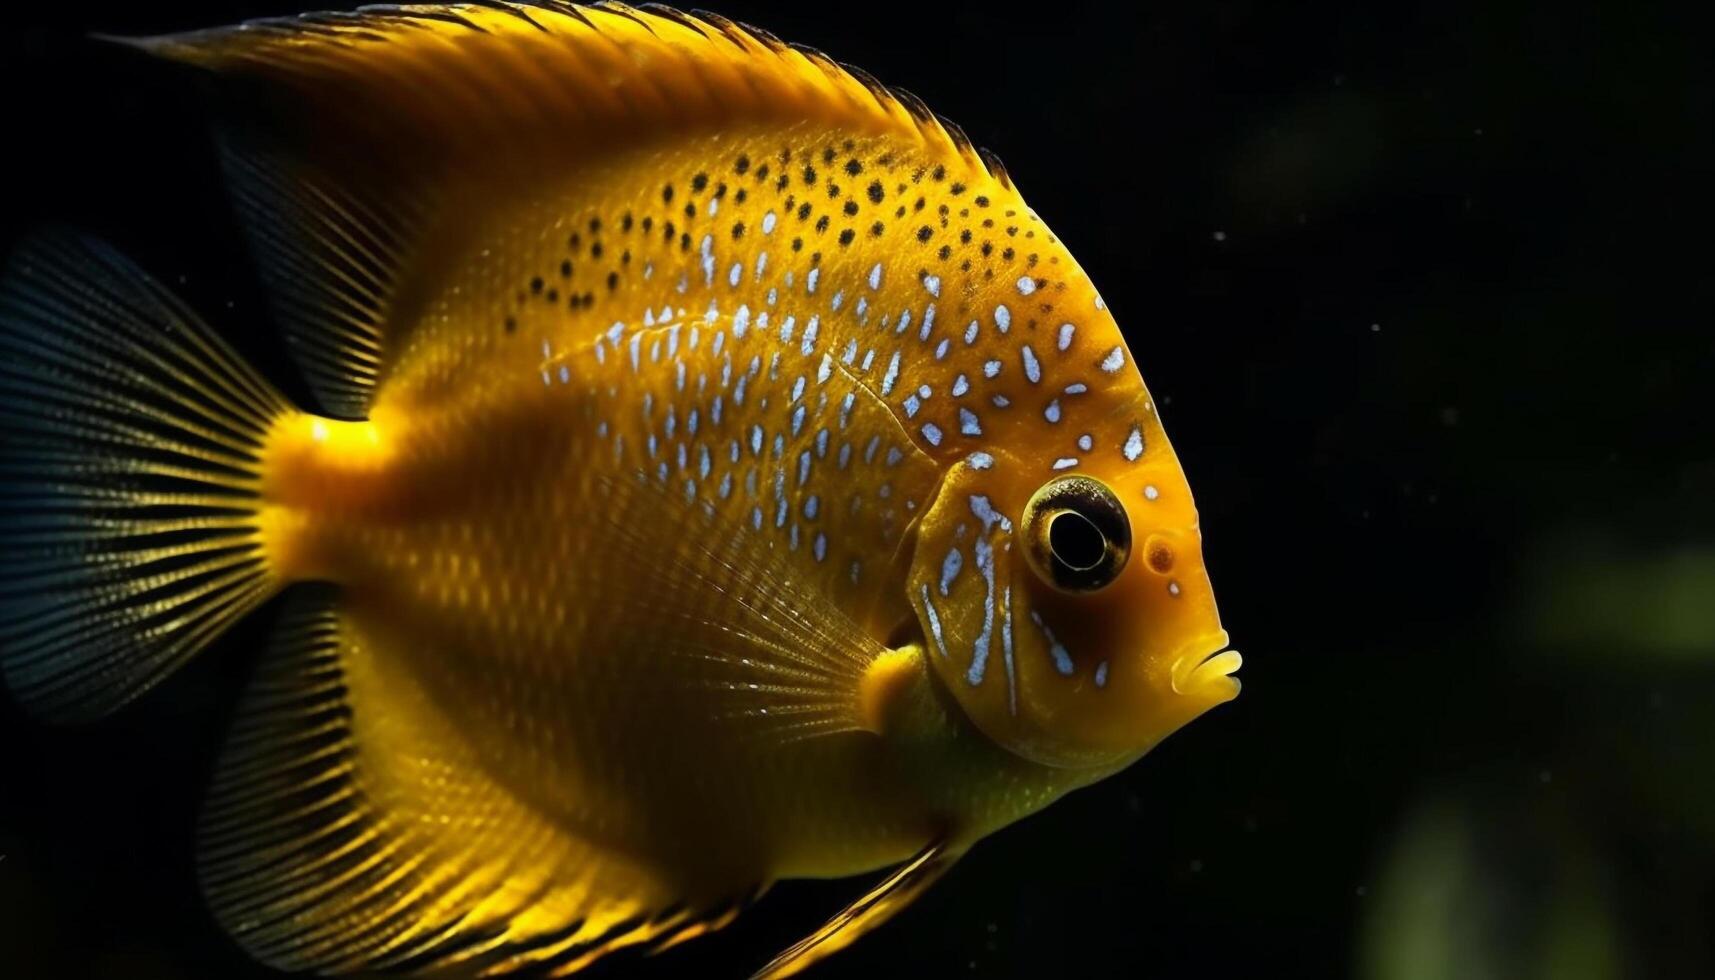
{"x":321,"y":849}
{"x":129,"y":482}
{"x":870,"y":910}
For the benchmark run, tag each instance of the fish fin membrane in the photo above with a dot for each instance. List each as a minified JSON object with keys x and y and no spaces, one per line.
{"x":417,"y":82}
{"x":128,"y":480}
{"x":350,"y":827}
{"x":779,"y":660}
{"x":899,"y":889}
{"x":330,"y":253}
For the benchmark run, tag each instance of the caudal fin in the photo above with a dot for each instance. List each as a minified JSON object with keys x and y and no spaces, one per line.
{"x":129,"y":480}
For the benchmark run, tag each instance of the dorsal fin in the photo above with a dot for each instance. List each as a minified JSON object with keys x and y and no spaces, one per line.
{"x":356,"y":127}
{"x":474,"y":76}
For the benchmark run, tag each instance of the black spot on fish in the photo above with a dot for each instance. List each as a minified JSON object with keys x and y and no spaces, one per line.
{"x":853,"y":167}
{"x":846,"y":237}
{"x":876,"y":193}
{"x":851,"y":206}
{"x":877,"y":228}
{"x":925,"y":233}
{"x":667,"y":194}
{"x":699,"y":182}
{"x":741,"y":165}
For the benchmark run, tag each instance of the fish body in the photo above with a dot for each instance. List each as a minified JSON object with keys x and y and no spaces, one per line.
{"x":721,"y":476}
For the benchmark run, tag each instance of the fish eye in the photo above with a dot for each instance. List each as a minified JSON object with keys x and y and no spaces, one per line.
{"x":1078,"y":534}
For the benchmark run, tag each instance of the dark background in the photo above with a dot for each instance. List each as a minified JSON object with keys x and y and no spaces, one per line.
{"x":1424,"y":295}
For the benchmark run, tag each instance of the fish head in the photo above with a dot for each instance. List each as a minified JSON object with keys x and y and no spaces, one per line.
{"x":1058,"y":575}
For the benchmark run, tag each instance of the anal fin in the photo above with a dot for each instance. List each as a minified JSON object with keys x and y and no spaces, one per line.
{"x":873,"y":908}
{"x":350,"y":829}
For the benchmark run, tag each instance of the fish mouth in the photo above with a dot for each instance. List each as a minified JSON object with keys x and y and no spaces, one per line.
{"x":1208,"y":671}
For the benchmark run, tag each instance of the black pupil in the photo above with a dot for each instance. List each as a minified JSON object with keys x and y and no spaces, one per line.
{"x":1076,"y":542}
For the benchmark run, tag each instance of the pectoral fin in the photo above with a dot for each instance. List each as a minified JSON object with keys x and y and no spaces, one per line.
{"x":876,"y":906}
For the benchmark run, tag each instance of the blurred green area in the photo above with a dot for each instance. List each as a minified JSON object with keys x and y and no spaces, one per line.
{"x":1602,"y":869}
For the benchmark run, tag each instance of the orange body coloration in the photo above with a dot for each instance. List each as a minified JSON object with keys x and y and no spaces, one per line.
{"x":731,"y":444}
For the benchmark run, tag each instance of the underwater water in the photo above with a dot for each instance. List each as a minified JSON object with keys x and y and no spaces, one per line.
{"x":1415,"y":288}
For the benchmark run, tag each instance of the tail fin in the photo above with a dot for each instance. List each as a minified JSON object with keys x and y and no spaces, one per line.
{"x":129,"y":480}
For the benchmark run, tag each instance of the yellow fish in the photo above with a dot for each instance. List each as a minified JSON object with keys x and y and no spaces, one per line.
{"x":720,"y":475}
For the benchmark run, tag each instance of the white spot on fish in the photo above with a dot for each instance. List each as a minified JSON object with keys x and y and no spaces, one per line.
{"x":980,"y":647}
{"x":928,"y":611}
{"x":971,"y":331}
{"x":1065,"y":463}
{"x":985,"y":512}
{"x":1065,"y":339}
{"x":1032,"y":367}
{"x":1150,"y":493}
{"x":991,"y":368}
{"x":1026,"y":286}
{"x":1114,"y":361}
{"x":1002,"y":318}
{"x":933,"y":284}
{"x":980,"y":460}
{"x":875,"y":276}
{"x":1062,"y":660}
{"x":950,"y":566}
{"x":768,"y":221}
{"x":960,"y":386}
{"x":1133,"y":445}
{"x":968,"y":423}
{"x":932,"y":432}
{"x":891,"y":376}
{"x":1052,"y":412}
{"x":810,"y":331}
